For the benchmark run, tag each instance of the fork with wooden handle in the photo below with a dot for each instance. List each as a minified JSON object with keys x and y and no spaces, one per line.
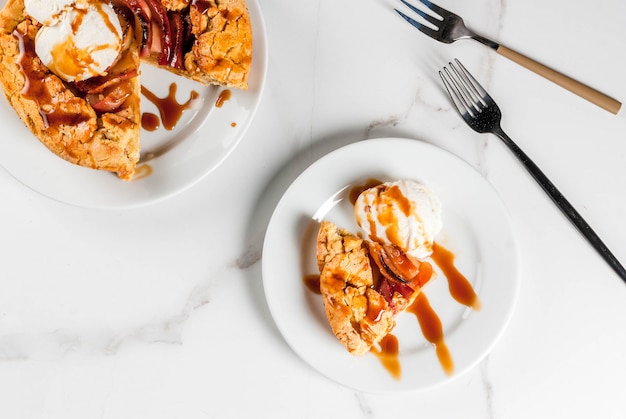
{"x":450,"y":27}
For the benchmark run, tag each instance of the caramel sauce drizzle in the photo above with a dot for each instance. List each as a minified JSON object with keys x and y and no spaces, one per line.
{"x":170,"y":112}
{"x":460,"y":288}
{"x":223,"y":97}
{"x":312,"y":282}
{"x":169,"y":109}
{"x":388,"y":355}
{"x":68,"y":58}
{"x":430,"y":324}
{"x":107,"y":20}
{"x":432,"y":330}
{"x":35,"y":81}
{"x":150,"y":121}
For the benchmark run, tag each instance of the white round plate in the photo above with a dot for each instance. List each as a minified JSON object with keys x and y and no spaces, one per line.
{"x":201,"y":140}
{"x":476,"y":229}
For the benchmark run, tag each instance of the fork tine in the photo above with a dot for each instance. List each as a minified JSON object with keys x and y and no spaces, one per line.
{"x":470,"y":96}
{"x":474,"y":86}
{"x":439,"y":10}
{"x":428,"y":18}
{"x":455,"y":94}
{"x":423,"y":28}
{"x":465,"y":89}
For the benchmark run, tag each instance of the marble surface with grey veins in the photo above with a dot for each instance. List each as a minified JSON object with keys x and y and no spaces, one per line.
{"x":159,"y":312}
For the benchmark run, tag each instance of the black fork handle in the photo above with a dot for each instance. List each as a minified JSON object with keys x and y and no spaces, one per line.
{"x":564,"y":205}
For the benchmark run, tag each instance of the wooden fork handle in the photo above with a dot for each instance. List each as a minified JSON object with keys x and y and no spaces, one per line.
{"x":586,"y":92}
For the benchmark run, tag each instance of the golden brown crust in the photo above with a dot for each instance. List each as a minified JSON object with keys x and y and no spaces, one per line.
{"x":222,"y":52}
{"x":12,"y":14}
{"x":175,"y":5}
{"x":107,"y":142}
{"x":358,"y":315}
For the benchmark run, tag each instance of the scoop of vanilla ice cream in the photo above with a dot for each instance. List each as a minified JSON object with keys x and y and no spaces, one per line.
{"x":81,"y":40}
{"x":404,"y":213}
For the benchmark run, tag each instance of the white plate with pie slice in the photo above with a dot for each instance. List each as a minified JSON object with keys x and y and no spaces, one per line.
{"x":200,"y":141}
{"x":476,"y":228}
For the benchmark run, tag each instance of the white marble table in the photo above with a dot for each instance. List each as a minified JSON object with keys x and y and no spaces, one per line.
{"x":159,"y":311}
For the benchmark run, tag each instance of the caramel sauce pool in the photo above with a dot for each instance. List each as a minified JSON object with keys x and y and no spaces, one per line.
{"x":224,"y":96}
{"x":150,"y":121}
{"x":169,"y":109}
{"x":312,"y":282}
{"x":388,"y":355}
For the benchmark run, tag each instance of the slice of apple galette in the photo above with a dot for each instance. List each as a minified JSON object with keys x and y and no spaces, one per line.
{"x":364,"y":286}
